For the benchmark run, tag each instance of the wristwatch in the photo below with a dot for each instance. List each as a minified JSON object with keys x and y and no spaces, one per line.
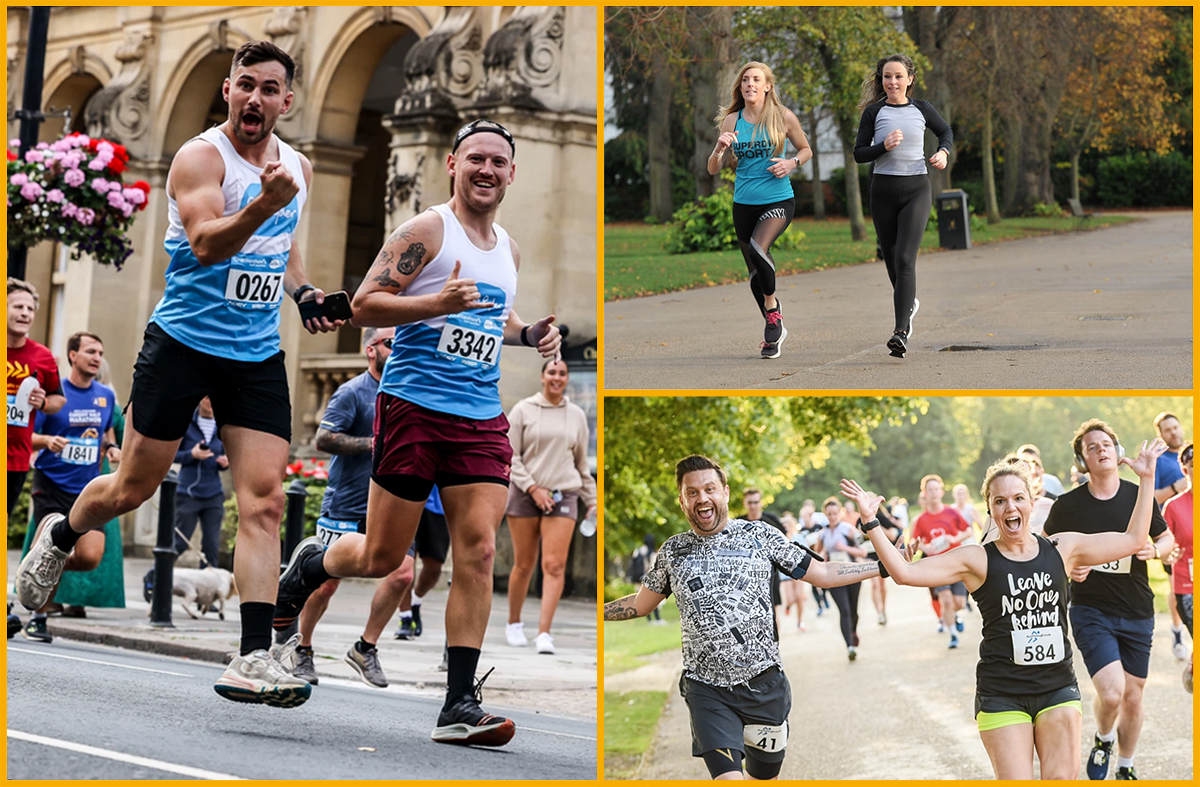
{"x":299,"y":293}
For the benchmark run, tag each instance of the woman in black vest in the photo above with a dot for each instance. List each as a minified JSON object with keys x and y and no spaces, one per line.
{"x":1026,"y":696}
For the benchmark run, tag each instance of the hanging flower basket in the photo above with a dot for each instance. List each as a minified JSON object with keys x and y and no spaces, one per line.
{"x":71,"y":191}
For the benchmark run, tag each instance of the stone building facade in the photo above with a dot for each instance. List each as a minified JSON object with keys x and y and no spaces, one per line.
{"x":380,"y":92}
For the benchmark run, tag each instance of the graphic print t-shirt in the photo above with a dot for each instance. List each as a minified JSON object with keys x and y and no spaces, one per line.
{"x":722,"y":585}
{"x":32,"y":360}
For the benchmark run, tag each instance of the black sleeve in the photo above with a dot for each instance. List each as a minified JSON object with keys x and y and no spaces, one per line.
{"x":1054,"y":520}
{"x":864,"y":151}
{"x":1158,"y":525}
{"x":935,"y":123}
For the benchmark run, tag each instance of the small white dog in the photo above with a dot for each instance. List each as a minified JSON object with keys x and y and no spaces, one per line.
{"x":204,"y":588}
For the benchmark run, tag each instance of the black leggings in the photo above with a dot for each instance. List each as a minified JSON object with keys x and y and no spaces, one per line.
{"x":757,"y":227}
{"x":846,"y":598}
{"x":900,"y":209}
{"x":16,"y":482}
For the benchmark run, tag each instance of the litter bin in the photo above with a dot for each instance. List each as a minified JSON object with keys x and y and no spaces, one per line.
{"x":954,"y":220}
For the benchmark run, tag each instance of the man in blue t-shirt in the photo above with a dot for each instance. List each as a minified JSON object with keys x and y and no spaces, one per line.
{"x":73,"y":442}
{"x":347,"y":431}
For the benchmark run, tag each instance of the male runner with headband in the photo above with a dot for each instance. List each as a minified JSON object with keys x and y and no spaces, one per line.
{"x":447,"y":280}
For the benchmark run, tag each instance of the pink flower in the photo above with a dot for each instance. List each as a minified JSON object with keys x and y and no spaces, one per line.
{"x":74,"y":178}
{"x":105,"y":148}
{"x":87,"y":216}
{"x":14,"y":143}
{"x":116,"y":200}
{"x":100,"y":185}
{"x":71,"y":210}
{"x":55,"y":196}
{"x":31,"y":191}
{"x":19,"y":179}
{"x":34,"y":157}
{"x":43,"y":145}
{"x":134,"y":196}
{"x":128,"y":210}
{"x":97,"y":164}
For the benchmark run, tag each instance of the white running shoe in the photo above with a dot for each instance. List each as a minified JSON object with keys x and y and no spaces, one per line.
{"x":1180,"y":650}
{"x":285,"y":653}
{"x":39,"y":572}
{"x":544,"y":643}
{"x":258,"y":677}
{"x":515,"y":633}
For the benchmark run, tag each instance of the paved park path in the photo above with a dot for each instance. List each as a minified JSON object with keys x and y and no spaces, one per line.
{"x":904,"y":709}
{"x":1105,"y":309}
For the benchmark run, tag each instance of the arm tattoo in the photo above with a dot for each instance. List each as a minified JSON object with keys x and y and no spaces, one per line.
{"x":621,"y":609}
{"x":854,"y":569}
{"x":340,"y":444}
{"x":411,"y":259}
{"x":384,"y":261}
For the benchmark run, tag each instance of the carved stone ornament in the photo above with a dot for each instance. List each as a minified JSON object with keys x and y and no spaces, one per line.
{"x":288,"y":29}
{"x":525,"y":54}
{"x":121,"y":111}
{"x":404,"y":187}
{"x":445,"y":67}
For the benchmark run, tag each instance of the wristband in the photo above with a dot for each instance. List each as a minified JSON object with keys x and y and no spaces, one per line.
{"x":869,"y":526}
{"x":882,"y":570}
{"x":299,"y":293}
{"x":525,"y":336}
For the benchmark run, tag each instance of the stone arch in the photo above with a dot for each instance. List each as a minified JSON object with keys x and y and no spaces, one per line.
{"x":71,"y":83}
{"x":201,"y":70}
{"x":340,"y":82}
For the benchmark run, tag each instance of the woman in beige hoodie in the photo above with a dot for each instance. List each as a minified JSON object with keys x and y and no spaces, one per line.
{"x":551,"y":484}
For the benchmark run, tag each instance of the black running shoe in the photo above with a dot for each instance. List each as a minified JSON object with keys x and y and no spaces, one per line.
{"x":465,"y":723}
{"x":14,"y":625}
{"x":416,"y":615}
{"x":292,"y":590}
{"x":1097,"y":761}
{"x":405,"y":631}
{"x":771,"y":349}
{"x":1125,"y":774}
{"x":36,"y":630}
{"x":773,"y":332}
{"x":898,"y":344}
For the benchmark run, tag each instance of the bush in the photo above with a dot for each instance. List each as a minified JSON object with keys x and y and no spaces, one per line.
{"x":618,"y":588}
{"x":837,"y":182}
{"x":19,"y":521}
{"x":1142,"y":180}
{"x":1048,"y":211}
{"x":707,"y":225}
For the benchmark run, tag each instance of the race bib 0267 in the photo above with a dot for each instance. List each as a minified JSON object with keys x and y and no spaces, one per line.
{"x":255,"y":282}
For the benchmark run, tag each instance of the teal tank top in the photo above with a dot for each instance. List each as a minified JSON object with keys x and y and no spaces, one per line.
{"x":754,"y":185}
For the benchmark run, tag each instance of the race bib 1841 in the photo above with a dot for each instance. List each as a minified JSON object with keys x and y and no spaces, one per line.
{"x":82,"y":451}
{"x":255,"y":282}
{"x":471,"y":340}
{"x":1038,"y":646}
{"x":1121,"y":566}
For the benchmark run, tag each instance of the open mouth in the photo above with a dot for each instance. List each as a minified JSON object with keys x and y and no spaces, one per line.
{"x":1012,"y":524}
{"x":252,"y":122}
{"x":706,"y":515}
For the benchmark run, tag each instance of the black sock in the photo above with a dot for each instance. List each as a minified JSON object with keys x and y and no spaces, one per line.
{"x":312,"y":570}
{"x":257,"y":617}
{"x":460,"y":677}
{"x":362,"y":646}
{"x":63,"y":536}
{"x":304,"y":649}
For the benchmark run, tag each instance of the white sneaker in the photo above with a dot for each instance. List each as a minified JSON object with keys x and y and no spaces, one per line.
{"x":258,"y":677}
{"x":515,"y":633}
{"x":544,"y":643}
{"x":39,"y":572}
{"x":285,"y":653}
{"x":1180,"y":650}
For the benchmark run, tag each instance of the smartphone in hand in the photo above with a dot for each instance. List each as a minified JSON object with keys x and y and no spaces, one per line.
{"x":335,"y":307}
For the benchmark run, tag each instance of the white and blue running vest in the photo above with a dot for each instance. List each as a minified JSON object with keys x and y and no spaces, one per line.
{"x":231,"y":309}
{"x":451,"y":364}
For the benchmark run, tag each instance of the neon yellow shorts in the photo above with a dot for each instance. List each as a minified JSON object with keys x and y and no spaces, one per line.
{"x":993,"y":712}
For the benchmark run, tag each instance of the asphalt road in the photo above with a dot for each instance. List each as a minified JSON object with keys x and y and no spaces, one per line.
{"x":1106,"y":309}
{"x":904,"y":708}
{"x":78,"y":711}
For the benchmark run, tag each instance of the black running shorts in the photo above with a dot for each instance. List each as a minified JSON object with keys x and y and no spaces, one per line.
{"x":720,"y":715}
{"x":170,"y":379}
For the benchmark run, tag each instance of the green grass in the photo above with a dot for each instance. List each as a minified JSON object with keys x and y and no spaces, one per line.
{"x":1160,"y":583}
{"x":635,"y":263}
{"x":626,"y":641}
{"x":630,"y":719}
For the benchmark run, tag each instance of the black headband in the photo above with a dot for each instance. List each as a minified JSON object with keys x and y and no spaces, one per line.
{"x":483,"y":125}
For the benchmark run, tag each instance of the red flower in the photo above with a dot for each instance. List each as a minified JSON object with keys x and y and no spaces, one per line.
{"x":145,"y":187}
{"x":12,"y":156}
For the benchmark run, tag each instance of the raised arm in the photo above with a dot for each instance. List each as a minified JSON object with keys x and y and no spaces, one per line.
{"x":966,"y":564}
{"x":1094,"y":549}
{"x":633,"y":606}
{"x":727,"y":137}
{"x":195,"y":183}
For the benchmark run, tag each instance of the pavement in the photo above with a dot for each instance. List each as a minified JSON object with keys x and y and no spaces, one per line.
{"x":1104,"y":309}
{"x":565,"y":681}
{"x":904,"y":708}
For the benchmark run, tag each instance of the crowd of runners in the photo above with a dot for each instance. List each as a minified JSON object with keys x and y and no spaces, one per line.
{"x":1048,"y":572}
{"x":421,"y":446}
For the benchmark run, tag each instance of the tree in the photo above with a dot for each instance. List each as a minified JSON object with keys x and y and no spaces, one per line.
{"x":761,"y":441}
{"x":824,"y":53}
{"x":1116,"y":96}
{"x":936,"y":30}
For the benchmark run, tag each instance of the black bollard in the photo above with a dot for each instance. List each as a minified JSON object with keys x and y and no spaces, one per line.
{"x":164,"y":554}
{"x":293,"y":532}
